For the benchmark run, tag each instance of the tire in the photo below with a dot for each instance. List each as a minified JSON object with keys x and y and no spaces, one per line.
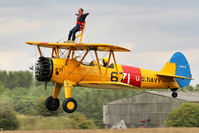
{"x":174,"y":94}
{"x":69,"y":105}
{"x":52,"y":104}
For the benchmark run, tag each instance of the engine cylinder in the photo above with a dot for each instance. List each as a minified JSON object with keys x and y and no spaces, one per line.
{"x":44,"y":69}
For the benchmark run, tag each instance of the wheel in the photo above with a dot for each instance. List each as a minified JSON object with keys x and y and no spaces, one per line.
{"x":69,"y":105}
{"x":52,"y":104}
{"x":174,"y":94}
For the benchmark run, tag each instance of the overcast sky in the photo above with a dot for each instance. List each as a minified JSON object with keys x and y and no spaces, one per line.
{"x":152,"y":29}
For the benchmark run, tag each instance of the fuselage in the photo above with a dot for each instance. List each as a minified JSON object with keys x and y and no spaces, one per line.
{"x":73,"y":71}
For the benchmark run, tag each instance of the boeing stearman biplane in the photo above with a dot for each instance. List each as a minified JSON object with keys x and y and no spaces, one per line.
{"x":65,"y":70}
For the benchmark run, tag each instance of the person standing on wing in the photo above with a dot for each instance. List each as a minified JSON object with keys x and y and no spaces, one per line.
{"x":80,"y":24}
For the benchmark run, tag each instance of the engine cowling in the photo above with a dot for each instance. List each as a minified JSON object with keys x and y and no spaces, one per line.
{"x":44,"y":69}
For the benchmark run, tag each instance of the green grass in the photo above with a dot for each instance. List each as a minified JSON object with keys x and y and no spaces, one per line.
{"x":39,"y":122}
{"x":135,"y":130}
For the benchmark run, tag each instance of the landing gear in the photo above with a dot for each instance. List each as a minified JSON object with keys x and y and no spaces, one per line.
{"x":52,"y":104}
{"x":69,"y":105}
{"x":174,"y":93}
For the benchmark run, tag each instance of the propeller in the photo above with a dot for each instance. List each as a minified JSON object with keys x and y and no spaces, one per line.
{"x":32,"y":68}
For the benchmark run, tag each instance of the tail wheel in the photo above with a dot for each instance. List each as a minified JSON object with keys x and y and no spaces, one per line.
{"x":52,"y":104}
{"x":69,"y":105}
{"x":174,"y":94}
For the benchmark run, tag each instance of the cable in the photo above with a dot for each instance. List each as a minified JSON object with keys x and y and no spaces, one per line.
{"x":87,"y":35}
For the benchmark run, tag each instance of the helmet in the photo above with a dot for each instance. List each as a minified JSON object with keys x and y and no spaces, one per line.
{"x":105,"y":59}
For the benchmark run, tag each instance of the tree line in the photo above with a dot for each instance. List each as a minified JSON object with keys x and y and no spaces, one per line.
{"x":18,"y":90}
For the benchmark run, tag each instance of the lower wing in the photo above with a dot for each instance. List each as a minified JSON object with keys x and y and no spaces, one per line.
{"x":106,"y":85}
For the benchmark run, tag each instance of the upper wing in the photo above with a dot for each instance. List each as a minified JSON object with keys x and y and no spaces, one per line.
{"x":81,"y":46}
{"x":173,"y":76}
{"x":106,"y":85}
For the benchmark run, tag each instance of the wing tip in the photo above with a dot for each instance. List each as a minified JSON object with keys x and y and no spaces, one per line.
{"x":28,"y":42}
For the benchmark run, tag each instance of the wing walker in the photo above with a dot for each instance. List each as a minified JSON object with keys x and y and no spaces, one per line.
{"x":63,"y":69}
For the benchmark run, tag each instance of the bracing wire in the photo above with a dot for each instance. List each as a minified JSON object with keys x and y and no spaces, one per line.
{"x":87,"y":35}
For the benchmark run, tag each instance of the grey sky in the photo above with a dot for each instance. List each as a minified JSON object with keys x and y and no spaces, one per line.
{"x":153,"y":29}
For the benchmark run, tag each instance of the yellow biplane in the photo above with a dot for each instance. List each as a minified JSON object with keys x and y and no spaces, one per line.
{"x":65,"y":70}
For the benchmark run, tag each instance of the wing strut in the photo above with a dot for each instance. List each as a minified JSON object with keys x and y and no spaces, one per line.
{"x":84,"y":56}
{"x":53,"y":50}
{"x":38,"y":47}
{"x":109,"y":57}
{"x":115,"y":64}
{"x":73,"y":53}
{"x":57,"y":52}
{"x":68,"y":56}
{"x":98,"y":64}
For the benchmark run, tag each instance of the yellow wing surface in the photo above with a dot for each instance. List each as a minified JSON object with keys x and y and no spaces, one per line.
{"x":106,"y":85}
{"x":81,"y":46}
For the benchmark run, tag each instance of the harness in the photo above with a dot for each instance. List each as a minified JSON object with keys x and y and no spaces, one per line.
{"x":80,"y":23}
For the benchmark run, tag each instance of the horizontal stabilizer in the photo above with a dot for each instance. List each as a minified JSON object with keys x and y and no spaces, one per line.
{"x":106,"y":85}
{"x":173,"y":76}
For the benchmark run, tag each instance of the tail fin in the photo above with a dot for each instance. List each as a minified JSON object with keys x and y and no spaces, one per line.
{"x":178,"y":66}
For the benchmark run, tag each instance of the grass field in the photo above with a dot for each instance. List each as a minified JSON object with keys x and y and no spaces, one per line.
{"x":135,"y":130}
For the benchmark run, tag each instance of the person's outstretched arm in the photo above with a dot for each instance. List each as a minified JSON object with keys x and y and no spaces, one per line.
{"x":86,"y":14}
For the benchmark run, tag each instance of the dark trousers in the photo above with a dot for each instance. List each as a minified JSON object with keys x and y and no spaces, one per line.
{"x":73,"y":32}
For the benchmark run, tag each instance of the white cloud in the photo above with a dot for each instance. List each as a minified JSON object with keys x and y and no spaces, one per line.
{"x":18,"y":60}
{"x":192,"y":56}
{"x":14,"y":26}
{"x":157,"y":57}
{"x":149,"y":31}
